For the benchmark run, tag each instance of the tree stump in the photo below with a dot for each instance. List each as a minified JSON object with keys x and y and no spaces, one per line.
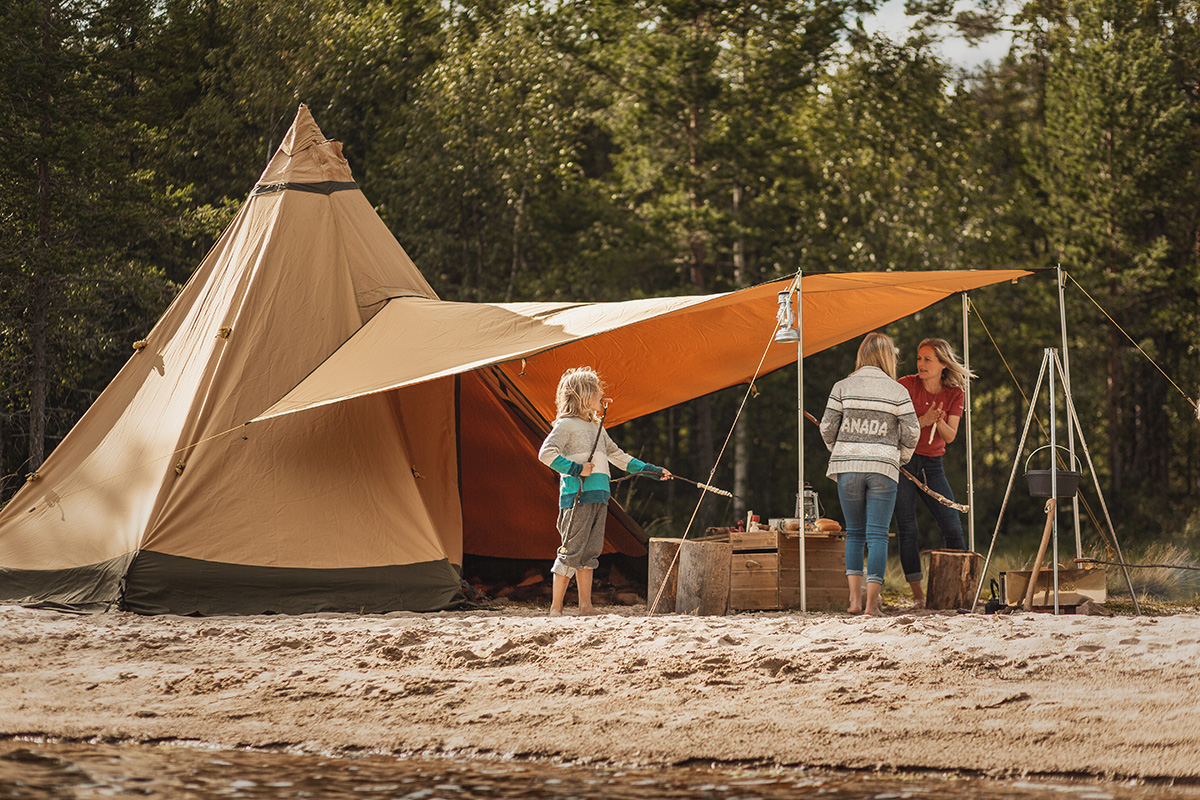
{"x":953,"y":578}
{"x":703,"y":578}
{"x":662,"y":575}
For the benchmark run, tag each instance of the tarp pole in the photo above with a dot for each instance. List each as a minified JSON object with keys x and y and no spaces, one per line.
{"x":967,"y":413}
{"x":800,"y":428}
{"x":1066,"y":364}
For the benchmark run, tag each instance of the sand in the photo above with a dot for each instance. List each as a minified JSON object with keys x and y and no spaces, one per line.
{"x":1022,"y":694}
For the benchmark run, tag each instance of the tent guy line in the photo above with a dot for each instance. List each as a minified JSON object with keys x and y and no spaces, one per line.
{"x":34,"y":476}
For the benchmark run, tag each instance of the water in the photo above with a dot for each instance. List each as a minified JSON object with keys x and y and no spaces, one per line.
{"x":37,"y":770}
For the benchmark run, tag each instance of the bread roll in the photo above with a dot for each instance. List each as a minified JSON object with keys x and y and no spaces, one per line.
{"x":828,"y":525}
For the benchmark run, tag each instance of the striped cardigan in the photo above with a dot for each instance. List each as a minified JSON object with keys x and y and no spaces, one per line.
{"x":869,"y":424}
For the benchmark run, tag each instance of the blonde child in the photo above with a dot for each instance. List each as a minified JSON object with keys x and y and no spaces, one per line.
{"x":571,"y":449}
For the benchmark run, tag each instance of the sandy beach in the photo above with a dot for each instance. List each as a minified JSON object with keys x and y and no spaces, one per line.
{"x":1024,"y":694}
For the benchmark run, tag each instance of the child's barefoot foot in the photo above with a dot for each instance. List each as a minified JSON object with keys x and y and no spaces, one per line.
{"x":872,"y":612}
{"x":855,"y":610}
{"x":555,"y":612}
{"x":918,"y":604}
{"x":588,"y":611}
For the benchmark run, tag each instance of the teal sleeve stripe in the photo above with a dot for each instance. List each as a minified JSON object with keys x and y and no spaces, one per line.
{"x":636,"y":466}
{"x":566,"y":466}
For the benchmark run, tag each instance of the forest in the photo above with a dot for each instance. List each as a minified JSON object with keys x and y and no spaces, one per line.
{"x":602,"y":150}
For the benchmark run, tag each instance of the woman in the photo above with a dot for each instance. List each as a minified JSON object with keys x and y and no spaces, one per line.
{"x":937,"y":395}
{"x":870,"y":429}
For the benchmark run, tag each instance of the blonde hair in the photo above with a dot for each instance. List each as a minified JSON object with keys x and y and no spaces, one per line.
{"x":877,"y":350}
{"x":576,"y":388}
{"x":953,"y":371}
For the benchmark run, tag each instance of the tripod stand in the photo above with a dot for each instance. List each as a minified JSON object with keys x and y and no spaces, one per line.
{"x":1050,"y":366}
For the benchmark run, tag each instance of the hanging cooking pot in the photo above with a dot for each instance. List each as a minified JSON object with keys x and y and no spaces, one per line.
{"x":1040,"y":479}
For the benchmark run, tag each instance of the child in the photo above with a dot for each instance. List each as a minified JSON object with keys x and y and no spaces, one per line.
{"x":583,"y":488}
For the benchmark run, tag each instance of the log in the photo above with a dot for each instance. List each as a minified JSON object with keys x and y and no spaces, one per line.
{"x":703,"y":578}
{"x":1041,"y":553}
{"x":953,"y":578}
{"x":662,"y":575}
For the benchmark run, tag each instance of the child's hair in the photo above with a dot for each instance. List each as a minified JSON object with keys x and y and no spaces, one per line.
{"x":576,"y":388}
{"x":953,"y":371}
{"x":878,"y":350}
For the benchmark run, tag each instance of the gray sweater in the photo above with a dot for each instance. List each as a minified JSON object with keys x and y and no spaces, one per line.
{"x":869,"y":424}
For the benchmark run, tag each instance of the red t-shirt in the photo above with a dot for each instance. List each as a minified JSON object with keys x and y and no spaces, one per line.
{"x":950,"y":398}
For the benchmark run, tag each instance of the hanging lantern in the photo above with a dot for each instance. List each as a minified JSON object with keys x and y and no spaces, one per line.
{"x":787,"y":333}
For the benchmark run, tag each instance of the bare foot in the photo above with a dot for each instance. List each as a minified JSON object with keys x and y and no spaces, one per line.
{"x":855,"y":609}
{"x":556,"y":612}
{"x":872,"y":612}
{"x":588,"y":611}
{"x":918,"y":604}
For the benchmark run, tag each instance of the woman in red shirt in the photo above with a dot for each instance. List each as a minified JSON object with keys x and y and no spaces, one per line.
{"x":937,"y":395}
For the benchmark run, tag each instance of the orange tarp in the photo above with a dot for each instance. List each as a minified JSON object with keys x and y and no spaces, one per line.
{"x":653,"y":353}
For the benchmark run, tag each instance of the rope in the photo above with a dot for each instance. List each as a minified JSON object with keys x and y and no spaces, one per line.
{"x":1117,"y":325}
{"x":1142,"y":566}
{"x":675,"y":477}
{"x":1087,"y":508}
{"x":987,"y":330}
{"x":60,"y":498}
{"x":749,"y":390}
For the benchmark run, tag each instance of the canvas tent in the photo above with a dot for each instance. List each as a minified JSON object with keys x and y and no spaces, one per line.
{"x":308,"y":427}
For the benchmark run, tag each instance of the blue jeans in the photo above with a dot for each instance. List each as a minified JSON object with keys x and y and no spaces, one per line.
{"x":867,"y":502}
{"x":928,"y":469}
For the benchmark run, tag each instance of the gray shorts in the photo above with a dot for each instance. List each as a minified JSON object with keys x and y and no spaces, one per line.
{"x":581,"y":546}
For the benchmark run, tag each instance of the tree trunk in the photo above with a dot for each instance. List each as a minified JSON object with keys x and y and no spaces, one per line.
{"x":41,"y":289}
{"x":1116,"y":456}
{"x":37,"y":374}
{"x":516,"y":248}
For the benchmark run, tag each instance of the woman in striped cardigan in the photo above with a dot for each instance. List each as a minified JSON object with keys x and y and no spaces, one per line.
{"x":871,"y":429}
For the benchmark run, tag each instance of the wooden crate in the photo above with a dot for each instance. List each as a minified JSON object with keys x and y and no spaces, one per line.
{"x":825,"y":565}
{"x":765,"y":571}
{"x":1074,"y":586}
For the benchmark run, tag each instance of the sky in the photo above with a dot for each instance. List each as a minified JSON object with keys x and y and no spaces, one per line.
{"x":891,"y":21}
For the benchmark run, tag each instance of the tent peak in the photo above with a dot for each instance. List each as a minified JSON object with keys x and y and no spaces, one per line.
{"x":306,"y":156}
{"x":303,"y":133}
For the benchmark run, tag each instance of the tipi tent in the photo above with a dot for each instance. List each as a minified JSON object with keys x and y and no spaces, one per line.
{"x":407,"y":426}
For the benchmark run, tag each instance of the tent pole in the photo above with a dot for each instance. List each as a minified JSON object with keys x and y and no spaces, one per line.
{"x":967,"y":412}
{"x":800,"y":428}
{"x":1066,"y":365}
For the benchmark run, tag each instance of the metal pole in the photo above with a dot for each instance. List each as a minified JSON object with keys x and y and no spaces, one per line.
{"x":800,"y":428}
{"x":1066,"y":364}
{"x":967,"y":419}
{"x":1052,"y":354}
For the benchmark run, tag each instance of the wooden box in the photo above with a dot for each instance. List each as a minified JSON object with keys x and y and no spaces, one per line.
{"x":825,"y":567}
{"x":1074,"y":586}
{"x":764,"y":571}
